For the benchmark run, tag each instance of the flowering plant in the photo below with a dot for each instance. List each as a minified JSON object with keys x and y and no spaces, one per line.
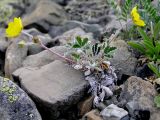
{"x":92,"y":58}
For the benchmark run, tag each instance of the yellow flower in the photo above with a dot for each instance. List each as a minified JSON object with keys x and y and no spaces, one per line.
{"x":14,"y":28}
{"x":136,"y":17}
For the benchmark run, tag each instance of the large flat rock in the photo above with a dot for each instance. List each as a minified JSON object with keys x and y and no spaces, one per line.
{"x":55,"y":86}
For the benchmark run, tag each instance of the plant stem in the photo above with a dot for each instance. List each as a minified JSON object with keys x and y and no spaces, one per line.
{"x":65,"y":58}
{"x":46,"y":48}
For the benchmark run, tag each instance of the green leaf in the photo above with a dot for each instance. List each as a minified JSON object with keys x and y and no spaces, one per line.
{"x":149,"y":47}
{"x":154,"y":69}
{"x":84,"y":42}
{"x":79,"y":40}
{"x":76,"y":46}
{"x":76,"y":56}
{"x":157,"y":49}
{"x":109,"y":49}
{"x":137,"y":46}
{"x":143,"y":34}
{"x":156,"y":30}
{"x":157,"y":101}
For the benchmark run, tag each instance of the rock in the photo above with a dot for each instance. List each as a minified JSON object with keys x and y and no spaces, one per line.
{"x":112,"y":112}
{"x":72,"y":34}
{"x":122,"y":59}
{"x":101,"y":106}
{"x":46,"y":13}
{"x":4,"y":43}
{"x":59,"y":30}
{"x":33,"y":31}
{"x":45,"y":38}
{"x":8,"y":10}
{"x":114,"y":24}
{"x":15,"y":103}
{"x":139,"y":97}
{"x":155,"y":3}
{"x":85,"y":106}
{"x":144,"y":71}
{"x":15,"y":56}
{"x":43,"y":58}
{"x":102,"y":20}
{"x":62,"y":2}
{"x":55,"y":87}
{"x":83,"y":10}
{"x":113,"y":100}
{"x":126,"y":118}
{"x":92,"y":115}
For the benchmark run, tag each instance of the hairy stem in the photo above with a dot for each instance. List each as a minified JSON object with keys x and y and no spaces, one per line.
{"x":65,"y":58}
{"x":46,"y":48}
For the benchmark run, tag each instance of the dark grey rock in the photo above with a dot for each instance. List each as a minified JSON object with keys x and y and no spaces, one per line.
{"x":45,"y":39}
{"x":44,"y":13}
{"x":139,"y":96}
{"x":62,"y":2}
{"x":4,"y":43}
{"x":114,"y":24}
{"x":83,"y":10}
{"x":126,"y":117}
{"x":55,"y":87}
{"x":113,"y":100}
{"x":71,"y":35}
{"x":15,"y":103}
{"x":92,"y":28}
{"x":144,"y":71}
{"x":43,"y":58}
{"x":123,"y":60}
{"x":102,"y":20}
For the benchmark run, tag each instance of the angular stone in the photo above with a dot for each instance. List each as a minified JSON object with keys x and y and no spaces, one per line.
{"x":83,"y":10}
{"x":122,"y":59}
{"x":114,"y":24}
{"x":91,"y":28}
{"x":19,"y":108}
{"x":46,"y":11}
{"x":44,"y":57}
{"x":139,"y":96}
{"x":4,"y":43}
{"x":92,"y":115}
{"x":55,"y":87}
{"x":62,"y":2}
{"x":85,"y":106}
{"x":112,"y":112}
{"x":15,"y":55}
{"x":45,"y":39}
{"x":72,"y":34}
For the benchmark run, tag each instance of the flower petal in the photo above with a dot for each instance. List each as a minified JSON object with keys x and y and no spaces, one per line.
{"x":136,"y":17}
{"x":14,"y":28}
